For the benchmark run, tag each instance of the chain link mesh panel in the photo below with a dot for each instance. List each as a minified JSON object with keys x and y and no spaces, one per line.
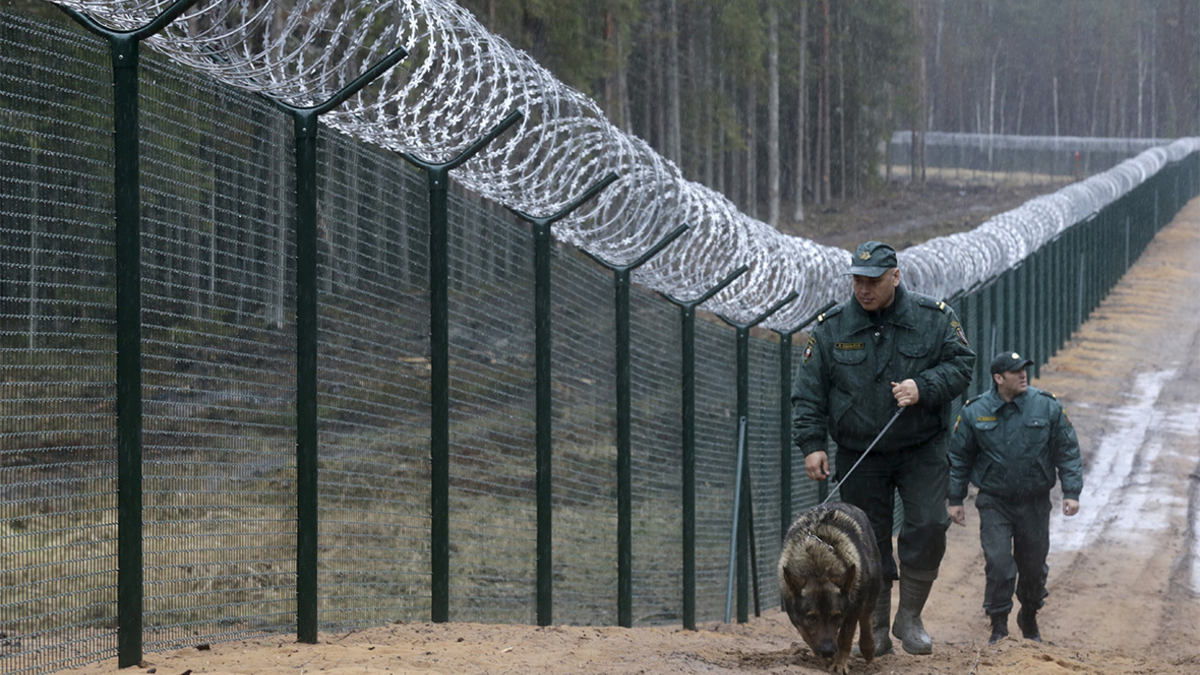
{"x":373,"y":370}
{"x":657,"y":460}
{"x":493,"y":504}
{"x":763,"y":446}
{"x":716,"y":463}
{"x":584,"y":434}
{"x":57,"y":350}
{"x":218,"y":362}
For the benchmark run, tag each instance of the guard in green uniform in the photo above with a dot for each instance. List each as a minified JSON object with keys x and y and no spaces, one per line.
{"x":1011,"y":442}
{"x":884,"y":350}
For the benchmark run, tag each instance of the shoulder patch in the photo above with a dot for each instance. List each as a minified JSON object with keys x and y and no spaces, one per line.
{"x":1043,"y":392}
{"x":959,"y":334}
{"x":808,"y":348}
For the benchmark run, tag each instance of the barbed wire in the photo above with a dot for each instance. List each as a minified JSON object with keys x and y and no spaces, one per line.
{"x":459,"y":81}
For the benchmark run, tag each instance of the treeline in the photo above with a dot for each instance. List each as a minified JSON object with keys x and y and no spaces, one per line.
{"x":723,"y":88}
{"x":766,"y":100}
{"x":1106,"y":68}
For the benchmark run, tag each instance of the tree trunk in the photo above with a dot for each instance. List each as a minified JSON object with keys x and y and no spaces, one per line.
{"x":610,"y":88}
{"x":1141,"y":83}
{"x":824,"y":104}
{"x":935,"y":90}
{"x":773,"y":114}
{"x":842,"y":113}
{"x":918,"y":149}
{"x":801,"y":109}
{"x":722,"y":130}
{"x":625,"y":115}
{"x":752,"y":149}
{"x":708,"y":108}
{"x":1054,"y":81}
{"x":674,"y":142}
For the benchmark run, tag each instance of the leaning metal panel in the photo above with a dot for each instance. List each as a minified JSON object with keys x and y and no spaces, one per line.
{"x":716,"y":462}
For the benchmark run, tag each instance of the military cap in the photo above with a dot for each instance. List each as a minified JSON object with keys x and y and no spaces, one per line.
{"x":872,"y":258}
{"x":1006,"y":362}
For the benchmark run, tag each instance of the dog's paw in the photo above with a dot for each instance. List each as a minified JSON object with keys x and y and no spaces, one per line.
{"x":841,"y":664}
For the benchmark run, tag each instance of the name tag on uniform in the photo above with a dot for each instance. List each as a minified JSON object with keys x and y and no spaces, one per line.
{"x":849,"y":345}
{"x":988,"y":418}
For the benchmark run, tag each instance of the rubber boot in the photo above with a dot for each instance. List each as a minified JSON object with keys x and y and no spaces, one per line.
{"x":999,"y":627}
{"x":908,"y":626}
{"x":881,"y":620}
{"x":1027,"y":622}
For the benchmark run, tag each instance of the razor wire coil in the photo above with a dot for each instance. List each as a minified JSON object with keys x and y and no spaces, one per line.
{"x":459,"y":81}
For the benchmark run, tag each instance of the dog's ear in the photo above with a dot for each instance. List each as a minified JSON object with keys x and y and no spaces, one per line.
{"x":846,"y":581}
{"x":794,"y":581}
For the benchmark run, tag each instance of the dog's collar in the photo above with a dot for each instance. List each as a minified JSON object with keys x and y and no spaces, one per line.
{"x":822,"y":541}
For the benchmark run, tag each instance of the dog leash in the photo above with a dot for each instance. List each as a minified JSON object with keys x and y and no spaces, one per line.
{"x":864,"y":455}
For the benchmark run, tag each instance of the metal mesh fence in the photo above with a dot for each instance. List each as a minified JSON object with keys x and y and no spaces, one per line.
{"x":585,"y":480}
{"x":218,"y":386}
{"x":764,"y":449}
{"x":657,"y":474}
{"x":493,"y":524}
{"x":219,"y":379}
{"x":374,"y":402}
{"x":716,"y":464}
{"x":57,"y":351}
{"x":1002,"y":158}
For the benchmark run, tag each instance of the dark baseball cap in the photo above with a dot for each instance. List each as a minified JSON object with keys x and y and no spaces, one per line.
{"x":1006,"y":362}
{"x":872,"y":259}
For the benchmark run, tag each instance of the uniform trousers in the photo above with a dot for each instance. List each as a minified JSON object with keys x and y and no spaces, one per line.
{"x":921,"y":476}
{"x":1015,"y":535}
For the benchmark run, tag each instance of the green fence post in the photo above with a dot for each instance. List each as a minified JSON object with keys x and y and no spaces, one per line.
{"x":992,"y":319}
{"x":687,"y":322}
{"x":306,"y":124}
{"x":621,"y":281}
{"x":438,"y":175}
{"x":1080,"y":281}
{"x":1037,"y":304}
{"x":544,"y":395}
{"x":975,"y":333}
{"x":1066,"y":258}
{"x":124,"y":47}
{"x":745,"y":521}
{"x":1025,"y":330}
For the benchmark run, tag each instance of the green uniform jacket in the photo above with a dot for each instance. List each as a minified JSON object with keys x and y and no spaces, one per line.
{"x":1013,"y":449}
{"x":844,"y":384}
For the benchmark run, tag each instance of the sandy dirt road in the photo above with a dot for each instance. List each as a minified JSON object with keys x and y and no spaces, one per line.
{"x":1124,"y":574}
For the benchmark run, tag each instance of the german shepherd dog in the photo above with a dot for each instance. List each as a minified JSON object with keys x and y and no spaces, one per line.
{"x":830,"y":577}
